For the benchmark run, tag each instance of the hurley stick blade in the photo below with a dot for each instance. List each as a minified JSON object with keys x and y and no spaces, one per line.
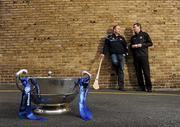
{"x":96,"y":84}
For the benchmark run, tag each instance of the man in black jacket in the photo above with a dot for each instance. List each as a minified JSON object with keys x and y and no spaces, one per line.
{"x":116,"y":46}
{"x":139,"y":45}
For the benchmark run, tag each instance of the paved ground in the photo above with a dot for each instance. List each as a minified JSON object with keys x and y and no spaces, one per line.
{"x":110,"y":108}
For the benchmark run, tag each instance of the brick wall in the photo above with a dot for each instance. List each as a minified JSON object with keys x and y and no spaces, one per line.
{"x":66,"y":37}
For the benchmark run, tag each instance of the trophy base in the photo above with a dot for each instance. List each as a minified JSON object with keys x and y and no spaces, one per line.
{"x":51,"y":110}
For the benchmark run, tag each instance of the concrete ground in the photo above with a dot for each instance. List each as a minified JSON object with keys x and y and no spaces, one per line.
{"x":111,"y":108}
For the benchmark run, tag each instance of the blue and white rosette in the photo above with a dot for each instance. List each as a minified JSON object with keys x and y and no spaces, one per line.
{"x":26,"y":109}
{"x":84,"y":111}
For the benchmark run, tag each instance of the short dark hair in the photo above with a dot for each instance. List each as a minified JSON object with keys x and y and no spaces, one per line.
{"x":137,"y":24}
{"x":114,"y":27}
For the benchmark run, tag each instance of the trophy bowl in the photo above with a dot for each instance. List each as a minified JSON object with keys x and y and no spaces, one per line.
{"x":55,"y":94}
{"x":51,"y":95}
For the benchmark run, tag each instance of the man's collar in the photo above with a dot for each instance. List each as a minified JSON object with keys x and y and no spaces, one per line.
{"x":139,"y":32}
{"x":115,"y":35}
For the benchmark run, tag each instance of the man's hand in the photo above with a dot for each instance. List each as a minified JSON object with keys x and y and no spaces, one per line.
{"x":102,"y":56}
{"x":134,"y":46}
{"x":137,"y":46}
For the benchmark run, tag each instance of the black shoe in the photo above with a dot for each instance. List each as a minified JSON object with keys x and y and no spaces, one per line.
{"x":149,"y":90}
{"x":121,"y":89}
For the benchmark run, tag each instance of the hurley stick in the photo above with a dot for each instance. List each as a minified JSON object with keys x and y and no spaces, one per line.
{"x":96,"y":82}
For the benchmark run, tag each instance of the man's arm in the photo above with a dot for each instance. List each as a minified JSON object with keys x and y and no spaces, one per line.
{"x":106,"y":47}
{"x":132,"y":45}
{"x":147,"y":42}
{"x":125,"y":46}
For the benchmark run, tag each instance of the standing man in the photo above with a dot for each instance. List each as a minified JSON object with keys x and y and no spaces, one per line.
{"x":139,"y":45}
{"x":116,"y":46}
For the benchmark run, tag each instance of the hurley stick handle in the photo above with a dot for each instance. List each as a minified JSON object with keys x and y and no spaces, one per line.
{"x":96,"y":82}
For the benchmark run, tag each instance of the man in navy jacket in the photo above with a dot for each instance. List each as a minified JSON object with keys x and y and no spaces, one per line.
{"x":139,"y":46}
{"x":116,"y":46}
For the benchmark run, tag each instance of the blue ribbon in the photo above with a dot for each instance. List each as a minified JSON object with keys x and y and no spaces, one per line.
{"x":26,"y":109}
{"x":85,"y":113}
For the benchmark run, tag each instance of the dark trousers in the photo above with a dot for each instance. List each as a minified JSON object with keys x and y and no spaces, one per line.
{"x":118,"y":63}
{"x":142,"y":68}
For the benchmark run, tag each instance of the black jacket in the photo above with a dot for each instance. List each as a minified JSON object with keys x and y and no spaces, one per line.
{"x":141,"y":38}
{"x":115,"y":45}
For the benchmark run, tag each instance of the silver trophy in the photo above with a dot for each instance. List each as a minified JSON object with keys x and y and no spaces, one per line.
{"x":54,"y":94}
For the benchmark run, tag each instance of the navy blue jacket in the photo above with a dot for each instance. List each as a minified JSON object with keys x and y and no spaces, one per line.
{"x":141,"y":38}
{"x":115,"y":45}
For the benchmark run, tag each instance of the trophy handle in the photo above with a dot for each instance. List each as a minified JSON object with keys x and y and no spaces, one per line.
{"x":18,"y":77}
{"x":86,"y":73}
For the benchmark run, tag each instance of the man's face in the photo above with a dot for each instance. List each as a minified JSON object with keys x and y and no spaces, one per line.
{"x":136,"y":29}
{"x":117,"y":30}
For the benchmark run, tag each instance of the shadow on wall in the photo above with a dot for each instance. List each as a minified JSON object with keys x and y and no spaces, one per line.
{"x":95,"y":62}
{"x":105,"y":68}
{"x":132,"y":81}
